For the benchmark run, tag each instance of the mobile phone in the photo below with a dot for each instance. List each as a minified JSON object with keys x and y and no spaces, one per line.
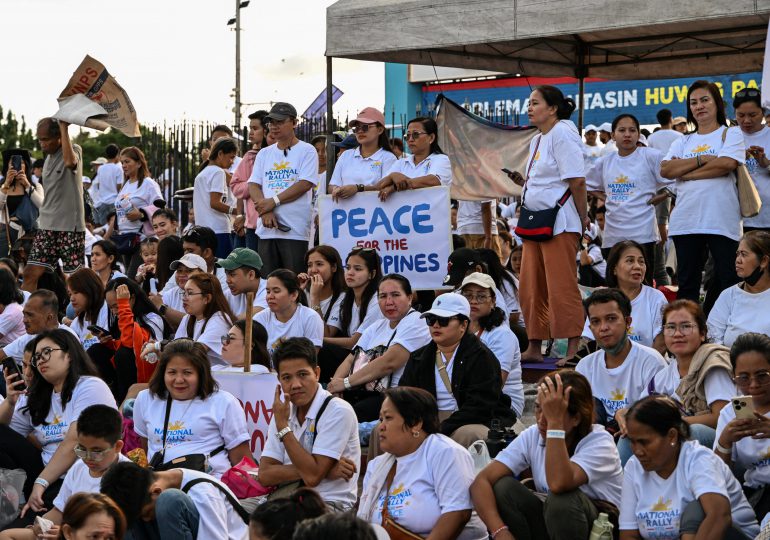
{"x":281,"y":227}
{"x":10,"y":365}
{"x":507,"y":171}
{"x":743,"y":407}
{"x":97,"y":330}
{"x":16,"y":162}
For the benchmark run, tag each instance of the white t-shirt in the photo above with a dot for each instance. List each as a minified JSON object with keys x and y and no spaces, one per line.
{"x":352,"y":168}
{"x":218,"y":272}
{"x":435,"y":164}
{"x":11,"y":324}
{"x":508,"y":297}
{"x":654,"y":505}
{"x":662,"y":139}
{"x":373,"y":314}
{"x":87,"y":338}
{"x":333,"y":310}
{"x":133,"y":196}
{"x":760,"y":175}
{"x":736,"y":312}
{"x":336,"y":436}
{"x":78,"y":479}
{"x":629,"y":182}
{"x":599,"y":264}
{"x":749,"y":454}
{"x":619,"y":387}
{"x":88,"y":391}
{"x":194,"y":427}
{"x":217,"y":515}
{"x":718,"y":384}
{"x":238,"y":302}
{"x":503,"y":343}
{"x":211,"y":336}
{"x":444,"y":398}
{"x":596,"y":454}
{"x":276,"y":171}
{"x":210,"y":180}
{"x":304,"y":323}
{"x":559,"y":157}
{"x":591,"y":154}
{"x":431,"y":481}
{"x":15,"y":349}
{"x":411,"y":333}
{"x":173,"y":298}
{"x":108,"y":179}
{"x":469,"y":218}
{"x":646,"y":317}
{"x":707,"y":206}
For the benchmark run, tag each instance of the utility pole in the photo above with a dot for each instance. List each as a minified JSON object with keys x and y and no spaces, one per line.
{"x":238,"y":64}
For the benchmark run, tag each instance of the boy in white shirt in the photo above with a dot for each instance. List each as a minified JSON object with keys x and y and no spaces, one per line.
{"x":242,"y":267}
{"x":313,"y":437}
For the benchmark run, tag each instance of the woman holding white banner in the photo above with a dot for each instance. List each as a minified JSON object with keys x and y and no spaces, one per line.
{"x":367,"y":164}
{"x":427,"y":166}
{"x":554,"y":197}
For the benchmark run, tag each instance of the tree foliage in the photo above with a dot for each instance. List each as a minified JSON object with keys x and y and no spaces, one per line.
{"x":15,"y":133}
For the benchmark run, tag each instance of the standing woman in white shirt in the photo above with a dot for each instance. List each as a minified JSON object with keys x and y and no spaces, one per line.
{"x":202,"y":419}
{"x":674,"y":488}
{"x":573,"y":461}
{"x":210,"y":193}
{"x":628,"y":179}
{"x":550,"y":299}
{"x":426,"y":166}
{"x":707,"y":213}
{"x":756,"y":135}
{"x":367,"y":164}
{"x":743,"y":307}
{"x":209,"y":316}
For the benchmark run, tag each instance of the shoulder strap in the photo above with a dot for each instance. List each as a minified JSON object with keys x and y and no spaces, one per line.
{"x":724,"y":134}
{"x":388,"y":482}
{"x":318,"y":416}
{"x":441,"y":366}
{"x":165,"y":424}
{"x":239,"y":509}
{"x":529,"y":168}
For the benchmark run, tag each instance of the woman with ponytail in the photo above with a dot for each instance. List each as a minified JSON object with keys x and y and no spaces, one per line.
{"x":549,"y":294}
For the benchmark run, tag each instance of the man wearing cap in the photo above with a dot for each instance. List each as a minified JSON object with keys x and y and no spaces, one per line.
{"x":591,"y":149}
{"x":108,"y":181}
{"x":605,"y":135}
{"x":460,"y":371}
{"x":242,"y":267}
{"x":169,"y":301}
{"x":201,"y":241}
{"x":280,"y":187}
{"x":369,"y":160}
{"x":93,"y":187}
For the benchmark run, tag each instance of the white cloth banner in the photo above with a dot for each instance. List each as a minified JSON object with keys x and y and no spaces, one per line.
{"x":766,"y":72}
{"x":256,"y":392}
{"x":411,"y":231}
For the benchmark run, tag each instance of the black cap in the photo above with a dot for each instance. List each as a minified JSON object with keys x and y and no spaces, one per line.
{"x":282,"y":111}
{"x":461,"y":261}
{"x":347,"y":143}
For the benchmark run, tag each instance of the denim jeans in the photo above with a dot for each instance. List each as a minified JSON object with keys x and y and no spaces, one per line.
{"x":176,"y":518}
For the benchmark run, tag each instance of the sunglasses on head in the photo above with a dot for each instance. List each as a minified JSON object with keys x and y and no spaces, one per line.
{"x":747,"y":92}
{"x":442,"y":321}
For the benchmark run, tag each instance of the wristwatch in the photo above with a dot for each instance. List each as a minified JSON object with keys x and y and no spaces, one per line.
{"x":285,"y":431}
{"x":360,"y":187}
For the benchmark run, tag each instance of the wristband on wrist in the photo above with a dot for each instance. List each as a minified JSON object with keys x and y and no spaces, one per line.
{"x":277,"y":201}
{"x":555,"y":434}
{"x":346,"y":383}
{"x":42,"y":482}
{"x":722,"y":450}
{"x":498,"y":531}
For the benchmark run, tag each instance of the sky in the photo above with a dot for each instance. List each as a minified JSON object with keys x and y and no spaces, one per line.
{"x":176,"y":58}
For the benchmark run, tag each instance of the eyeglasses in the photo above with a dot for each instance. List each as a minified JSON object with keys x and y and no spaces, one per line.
{"x":414,"y":135}
{"x":90,"y":455}
{"x":480,"y":298}
{"x":747,"y":92}
{"x":44,"y":356}
{"x":228,"y":338}
{"x":362,"y":128}
{"x":443,"y":322}
{"x":186,"y":293}
{"x":685,"y":329}
{"x":761,"y":378}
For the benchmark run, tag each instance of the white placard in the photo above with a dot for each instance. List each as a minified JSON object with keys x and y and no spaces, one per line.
{"x":411,"y":231}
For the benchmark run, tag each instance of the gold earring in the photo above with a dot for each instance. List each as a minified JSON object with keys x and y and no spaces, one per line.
{"x":415,"y":434}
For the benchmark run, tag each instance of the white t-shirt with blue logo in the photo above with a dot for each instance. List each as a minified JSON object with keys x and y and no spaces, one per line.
{"x":352,"y":168}
{"x":88,"y":391}
{"x":760,"y":175}
{"x":646,"y":317}
{"x":751,"y":455}
{"x":88,"y":338}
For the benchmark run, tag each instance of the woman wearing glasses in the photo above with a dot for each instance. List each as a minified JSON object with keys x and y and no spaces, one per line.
{"x":234,"y":343}
{"x":460,"y":372}
{"x":707,"y":213}
{"x":64,"y":382}
{"x":208,"y":314}
{"x":756,"y":135}
{"x":700,"y":378}
{"x":201,"y":418}
{"x":378,"y":359}
{"x":367,"y":164}
{"x":742,"y":442}
{"x":743,"y":307}
{"x":426,"y":166}
{"x":489,"y":323}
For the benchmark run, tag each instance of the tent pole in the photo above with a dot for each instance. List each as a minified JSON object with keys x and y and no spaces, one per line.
{"x":329,"y":121}
{"x":581,"y":105}
{"x":581,"y":74}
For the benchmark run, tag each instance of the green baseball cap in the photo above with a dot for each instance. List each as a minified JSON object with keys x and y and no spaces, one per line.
{"x":241,"y":257}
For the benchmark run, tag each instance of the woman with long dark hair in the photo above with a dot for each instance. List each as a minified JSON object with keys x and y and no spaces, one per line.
{"x":234,"y":345}
{"x":701,"y":166}
{"x":756,"y":135}
{"x":64,"y":382}
{"x":87,"y":298}
{"x":325,"y":284}
{"x":104,"y":261}
{"x":16,"y":186}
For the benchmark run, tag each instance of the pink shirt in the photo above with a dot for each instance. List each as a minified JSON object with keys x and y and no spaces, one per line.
{"x":240,"y":187}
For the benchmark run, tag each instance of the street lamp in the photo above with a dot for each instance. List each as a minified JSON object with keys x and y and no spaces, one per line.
{"x":239,"y":4}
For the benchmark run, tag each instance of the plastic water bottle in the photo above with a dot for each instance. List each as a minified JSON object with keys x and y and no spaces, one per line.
{"x":602,"y":529}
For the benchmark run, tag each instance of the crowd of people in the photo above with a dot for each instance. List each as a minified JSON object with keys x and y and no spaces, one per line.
{"x":117,"y":323}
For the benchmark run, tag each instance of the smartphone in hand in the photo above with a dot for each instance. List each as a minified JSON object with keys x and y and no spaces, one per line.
{"x":10,"y":365}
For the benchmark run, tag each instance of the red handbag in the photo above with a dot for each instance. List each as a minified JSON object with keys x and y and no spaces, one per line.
{"x":242,"y":479}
